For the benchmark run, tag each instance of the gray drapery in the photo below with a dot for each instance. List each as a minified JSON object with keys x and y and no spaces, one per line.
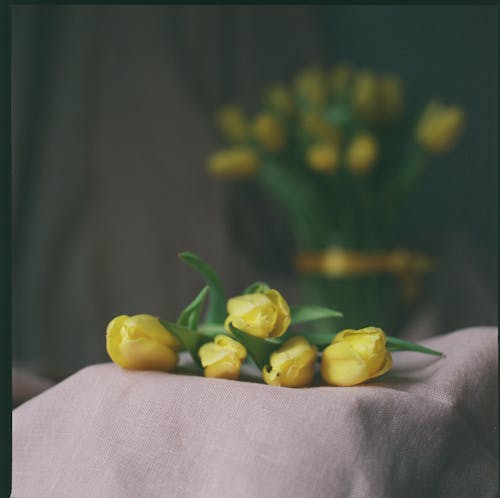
{"x":112,"y":122}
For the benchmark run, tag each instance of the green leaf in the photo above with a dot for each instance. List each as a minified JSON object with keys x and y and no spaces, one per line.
{"x":191,"y":313}
{"x":192,"y":340}
{"x":217,"y":307}
{"x":302,"y":314}
{"x":212,"y":329}
{"x":323,"y":339}
{"x":256,"y":287}
{"x":258,"y":349}
{"x":402,"y":345}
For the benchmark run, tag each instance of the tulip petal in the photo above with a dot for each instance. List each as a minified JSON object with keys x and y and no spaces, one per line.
{"x":254,"y":314}
{"x":150,"y":327}
{"x":341,"y":365}
{"x":283,"y":317}
{"x":211,"y":353}
{"x":113,"y":338}
{"x":385,"y":367}
{"x":144,"y":354}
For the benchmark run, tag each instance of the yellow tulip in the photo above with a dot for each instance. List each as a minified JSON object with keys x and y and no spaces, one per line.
{"x":439,"y":127}
{"x":263,"y":314}
{"x":339,"y":77}
{"x":268,"y":132}
{"x":323,"y":157}
{"x":310,"y":85}
{"x":234,"y":164}
{"x":279,"y":99}
{"x":232,"y":122}
{"x":222,"y":358}
{"x":141,"y":342}
{"x":362,"y":153}
{"x":365,"y":95}
{"x":354,"y":356}
{"x":292,"y":365}
{"x":317,"y":127}
{"x":391,"y":94}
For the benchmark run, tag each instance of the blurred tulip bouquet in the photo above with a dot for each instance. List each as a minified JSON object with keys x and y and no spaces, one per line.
{"x":340,"y":154}
{"x":255,"y":325}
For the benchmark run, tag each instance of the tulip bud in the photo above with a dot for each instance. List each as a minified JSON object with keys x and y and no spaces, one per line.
{"x":234,"y":164}
{"x":291,"y":365}
{"x":354,"y":356}
{"x":439,"y":127}
{"x":268,"y":132}
{"x":263,"y":314}
{"x":222,"y":358}
{"x":311,"y":87}
{"x":232,"y":123}
{"x":141,"y":342}
{"x":339,"y":77}
{"x":318,"y":128}
{"x":279,"y":99}
{"x":365,"y":96}
{"x":361,"y":154}
{"x":391,"y":94}
{"x":323,"y":157}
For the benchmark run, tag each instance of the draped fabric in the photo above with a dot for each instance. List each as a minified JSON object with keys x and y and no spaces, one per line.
{"x":428,"y":428}
{"x":112,"y":124}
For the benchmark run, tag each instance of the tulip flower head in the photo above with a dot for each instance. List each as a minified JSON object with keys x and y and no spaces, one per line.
{"x":323,"y":157}
{"x":318,"y":128}
{"x":311,"y":86}
{"x":222,"y":358}
{"x":339,"y":77}
{"x":280,"y":100}
{"x":354,"y":356}
{"x":391,"y":94}
{"x":141,"y":342}
{"x":292,"y":365}
{"x":439,"y":127}
{"x":232,"y":123}
{"x":365,"y":96}
{"x":237,"y":163}
{"x":268,"y":132}
{"x":362,"y":153}
{"x":262,"y":314}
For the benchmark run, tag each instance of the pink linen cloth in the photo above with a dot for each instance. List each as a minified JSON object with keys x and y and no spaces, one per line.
{"x":426,"y":429}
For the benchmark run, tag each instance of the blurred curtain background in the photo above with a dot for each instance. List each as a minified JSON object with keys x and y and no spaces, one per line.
{"x":112,"y":121}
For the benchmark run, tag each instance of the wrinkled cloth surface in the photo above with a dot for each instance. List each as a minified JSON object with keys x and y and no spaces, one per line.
{"x":426,"y":429}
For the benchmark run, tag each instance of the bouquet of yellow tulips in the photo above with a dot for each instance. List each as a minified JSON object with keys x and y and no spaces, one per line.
{"x":339,"y":153}
{"x":255,"y":325}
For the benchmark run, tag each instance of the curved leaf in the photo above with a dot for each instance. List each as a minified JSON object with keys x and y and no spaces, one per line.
{"x":303,"y":314}
{"x":402,"y":345}
{"x":217,"y":306}
{"x":258,"y":349}
{"x":191,"y":313}
{"x":256,"y":287}
{"x":212,"y":329}
{"x":323,"y":339}
{"x":192,"y":340}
